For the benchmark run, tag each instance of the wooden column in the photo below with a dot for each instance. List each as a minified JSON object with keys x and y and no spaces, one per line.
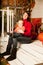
{"x":2,"y":23}
{"x":7,"y":19}
{"x":12,"y":21}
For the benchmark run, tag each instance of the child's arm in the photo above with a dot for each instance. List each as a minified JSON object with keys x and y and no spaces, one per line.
{"x":19,"y":30}
{"x":16,"y":29}
{"x":23,"y":28}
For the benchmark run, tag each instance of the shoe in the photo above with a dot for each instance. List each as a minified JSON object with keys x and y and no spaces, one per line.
{"x":5,"y":53}
{"x":13,"y":55}
{"x":10,"y":58}
{"x":1,"y":56}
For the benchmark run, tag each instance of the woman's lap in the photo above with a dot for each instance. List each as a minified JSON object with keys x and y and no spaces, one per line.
{"x":19,"y":38}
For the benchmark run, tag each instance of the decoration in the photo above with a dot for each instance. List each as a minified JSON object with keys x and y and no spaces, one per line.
{"x":3,"y":61}
{"x":40,"y":37}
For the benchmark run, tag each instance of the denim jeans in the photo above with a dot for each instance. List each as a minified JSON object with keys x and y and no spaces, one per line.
{"x":13,"y":40}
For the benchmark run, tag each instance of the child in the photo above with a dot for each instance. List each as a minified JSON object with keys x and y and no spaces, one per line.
{"x":19,"y":27}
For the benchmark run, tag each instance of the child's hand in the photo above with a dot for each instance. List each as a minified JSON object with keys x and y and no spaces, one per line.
{"x":23,"y":28}
{"x":20,"y":31}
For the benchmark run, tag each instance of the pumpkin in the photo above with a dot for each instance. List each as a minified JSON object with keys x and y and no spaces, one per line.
{"x":40,"y":37}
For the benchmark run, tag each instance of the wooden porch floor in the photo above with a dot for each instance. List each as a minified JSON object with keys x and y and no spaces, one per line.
{"x":28,"y":54}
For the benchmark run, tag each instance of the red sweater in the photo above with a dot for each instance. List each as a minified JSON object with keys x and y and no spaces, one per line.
{"x":28,"y":28}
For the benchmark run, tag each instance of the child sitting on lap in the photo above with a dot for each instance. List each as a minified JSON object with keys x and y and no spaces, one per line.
{"x":19,"y":27}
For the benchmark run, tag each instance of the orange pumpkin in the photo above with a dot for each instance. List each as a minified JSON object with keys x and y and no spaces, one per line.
{"x":40,"y":37}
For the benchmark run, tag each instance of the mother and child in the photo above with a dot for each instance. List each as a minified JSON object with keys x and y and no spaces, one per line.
{"x":22,"y":33}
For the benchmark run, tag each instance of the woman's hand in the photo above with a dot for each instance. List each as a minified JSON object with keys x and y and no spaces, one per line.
{"x":20,"y":30}
{"x":23,"y":28}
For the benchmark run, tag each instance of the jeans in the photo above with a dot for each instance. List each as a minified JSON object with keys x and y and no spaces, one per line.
{"x":16,"y":37}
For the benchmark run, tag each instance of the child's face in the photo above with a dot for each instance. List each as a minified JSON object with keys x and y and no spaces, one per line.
{"x":20,"y":23}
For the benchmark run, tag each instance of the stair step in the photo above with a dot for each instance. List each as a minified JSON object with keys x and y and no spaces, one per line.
{"x":33,"y":52}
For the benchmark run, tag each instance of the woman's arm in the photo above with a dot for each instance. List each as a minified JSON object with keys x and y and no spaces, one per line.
{"x":19,"y":30}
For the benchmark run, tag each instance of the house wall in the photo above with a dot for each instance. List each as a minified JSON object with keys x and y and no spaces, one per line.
{"x":37,"y":11}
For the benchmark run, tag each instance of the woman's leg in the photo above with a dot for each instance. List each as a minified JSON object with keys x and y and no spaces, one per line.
{"x":24,"y":40}
{"x":10,"y":42}
{"x":13,"y":50}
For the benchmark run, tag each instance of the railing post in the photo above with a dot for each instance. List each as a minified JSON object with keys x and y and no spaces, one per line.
{"x":7,"y":19}
{"x":12,"y":21}
{"x":3,"y":23}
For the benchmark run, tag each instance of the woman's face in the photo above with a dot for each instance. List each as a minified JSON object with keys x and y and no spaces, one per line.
{"x":25,"y":15}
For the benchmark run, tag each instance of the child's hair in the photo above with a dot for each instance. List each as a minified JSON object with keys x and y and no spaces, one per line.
{"x":17,"y":23}
{"x":20,"y":21}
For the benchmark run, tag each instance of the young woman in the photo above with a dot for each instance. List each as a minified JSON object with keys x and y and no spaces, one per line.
{"x":23,"y":37}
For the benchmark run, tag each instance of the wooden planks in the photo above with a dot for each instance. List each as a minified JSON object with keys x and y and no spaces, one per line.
{"x":29,"y":54}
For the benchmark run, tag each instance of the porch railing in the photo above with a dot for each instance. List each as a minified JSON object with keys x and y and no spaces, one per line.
{"x":9,"y":21}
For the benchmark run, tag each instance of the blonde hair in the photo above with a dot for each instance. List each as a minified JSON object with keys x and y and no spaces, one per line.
{"x":20,"y":21}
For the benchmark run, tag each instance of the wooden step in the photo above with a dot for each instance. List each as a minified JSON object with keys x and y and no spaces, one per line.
{"x":33,"y":52}
{"x":21,"y":53}
{"x":36,"y":48}
{"x":14,"y":62}
{"x":25,"y":58}
{"x":29,"y":54}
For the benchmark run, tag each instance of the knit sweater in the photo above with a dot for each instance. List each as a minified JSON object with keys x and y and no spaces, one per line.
{"x":28,"y":28}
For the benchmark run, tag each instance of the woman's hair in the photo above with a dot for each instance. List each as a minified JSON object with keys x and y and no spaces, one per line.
{"x":28,"y":15}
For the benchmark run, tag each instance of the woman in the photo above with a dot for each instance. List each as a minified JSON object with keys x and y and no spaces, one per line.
{"x":27,"y":24}
{"x":24,"y":37}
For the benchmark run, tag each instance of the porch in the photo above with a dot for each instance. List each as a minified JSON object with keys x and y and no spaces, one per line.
{"x":28,"y":54}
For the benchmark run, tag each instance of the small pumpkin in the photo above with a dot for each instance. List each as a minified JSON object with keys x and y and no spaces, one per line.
{"x":40,"y":37}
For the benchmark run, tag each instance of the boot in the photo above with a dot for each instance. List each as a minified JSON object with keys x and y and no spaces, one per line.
{"x":10,"y":41}
{"x":5,"y":53}
{"x":1,"y":56}
{"x":13,"y":55}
